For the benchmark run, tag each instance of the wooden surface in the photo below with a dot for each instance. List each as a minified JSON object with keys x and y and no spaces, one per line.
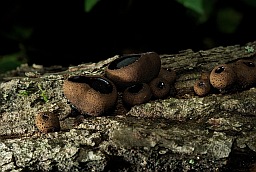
{"x":181,"y":132}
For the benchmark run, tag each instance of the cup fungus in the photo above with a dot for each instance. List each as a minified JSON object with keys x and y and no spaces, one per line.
{"x":202,"y":87}
{"x":137,"y":94}
{"x":160,"y":88}
{"x":245,"y":72}
{"x":222,"y":77}
{"x":47,"y":122}
{"x":133,"y":69}
{"x":92,"y":95}
{"x":167,"y":74}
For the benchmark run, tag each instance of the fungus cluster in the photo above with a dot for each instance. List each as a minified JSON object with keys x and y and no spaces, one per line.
{"x":227,"y":77}
{"x":138,"y":77}
{"x":47,"y":122}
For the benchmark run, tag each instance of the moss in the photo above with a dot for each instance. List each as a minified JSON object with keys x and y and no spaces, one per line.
{"x":43,"y":93}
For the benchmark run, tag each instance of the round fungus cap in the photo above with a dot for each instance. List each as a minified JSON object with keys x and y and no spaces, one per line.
{"x":160,"y":88}
{"x":137,"y":94}
{"x":47,"y":122}
{"x":168,"y":74}
{"x":92,"y":95}
{"x":245,"y":72}
{"x":202,"y":87}
{"x":133,"y":68}
{"x":222,"y":76}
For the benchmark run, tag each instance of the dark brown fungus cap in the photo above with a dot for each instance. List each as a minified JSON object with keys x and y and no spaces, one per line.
{"x":133,"y":68}
{"x":222,"y":76}
{"x":92,"y":95}
{"x":160,"y":88}
{"x":137,"y":94}
{"x":202,"y":87}
{"x":168,"y":74}
{"x":245,"y":72}
{"x":47,"y":122}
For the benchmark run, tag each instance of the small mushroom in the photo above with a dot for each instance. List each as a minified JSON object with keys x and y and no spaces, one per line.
{"x":168,"y":74}
{"x":92,"y":95}
{"x":47,"y":122}
{"x":222,"y":77}
{"x":133,"y":69}
{"x":160,"y":88}
{"x":202,"y":87}
{"x":137,"y":94}
{"x":245,"y":72}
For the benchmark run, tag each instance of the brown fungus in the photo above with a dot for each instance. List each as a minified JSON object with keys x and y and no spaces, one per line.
{"x":168,"y":74}
{"x":245,"y":72}
{"x":160,"y":88}
{"x":222,"y":77}
{"x":202,"y":87}
{"x":92,"y":95}
{"x":133,"y":69}
{"x":47,"y":122}
{"x":136,"y":94}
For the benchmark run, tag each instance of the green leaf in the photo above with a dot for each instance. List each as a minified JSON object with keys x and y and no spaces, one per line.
{"x":202,"y":8}
{"x":10,"y":62}
{"x":228,"y":19}
{"x":89,"y":4}
{"x":19,"y":33}
{"x":195,"y":5}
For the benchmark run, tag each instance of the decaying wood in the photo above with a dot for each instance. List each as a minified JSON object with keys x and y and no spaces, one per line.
{"x":180,"y":133}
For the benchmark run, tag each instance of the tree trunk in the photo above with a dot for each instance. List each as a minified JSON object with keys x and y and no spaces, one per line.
{"x":183,"y":132}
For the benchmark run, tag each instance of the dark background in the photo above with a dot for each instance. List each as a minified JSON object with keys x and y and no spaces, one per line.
{"x":62,"y":33}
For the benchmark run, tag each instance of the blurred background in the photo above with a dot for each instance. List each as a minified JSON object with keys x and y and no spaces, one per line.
{"x":68,"y":33}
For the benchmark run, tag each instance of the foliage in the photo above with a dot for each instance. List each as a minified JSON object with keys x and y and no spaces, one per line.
{"x":10,"y":61}
{"x":201,"y":8}
{"x":226,"y":19}
{"x":89,"y":4}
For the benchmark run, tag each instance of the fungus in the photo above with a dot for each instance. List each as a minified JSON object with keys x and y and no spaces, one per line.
{"x":133,"y":69}
{"x":47,"y":122}
{"x":202,"y":87}
{"x":245,"y":72}
{"x":137,"y":94}
{"x":160,"y":88}
{"x":222,"y":77}
{"x":92,"y":95}
{"x":168,"y":74}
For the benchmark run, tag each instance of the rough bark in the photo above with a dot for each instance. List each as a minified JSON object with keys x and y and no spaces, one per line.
{"x":183,"y":132}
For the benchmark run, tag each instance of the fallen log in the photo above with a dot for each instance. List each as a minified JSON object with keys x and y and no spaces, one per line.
{"x":183,"y":132}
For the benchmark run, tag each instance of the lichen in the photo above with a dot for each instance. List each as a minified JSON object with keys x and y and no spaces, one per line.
{"x":249,"y":49}
{"x":184,"y":132}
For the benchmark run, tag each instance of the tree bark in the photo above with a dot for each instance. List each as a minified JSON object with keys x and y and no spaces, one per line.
{"x":182,"y":132}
